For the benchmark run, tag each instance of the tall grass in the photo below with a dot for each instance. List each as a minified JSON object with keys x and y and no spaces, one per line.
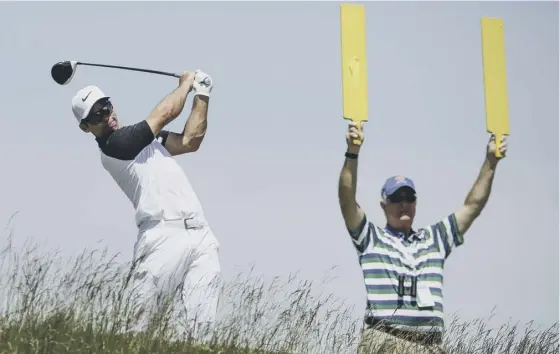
{"x":86,"y":304}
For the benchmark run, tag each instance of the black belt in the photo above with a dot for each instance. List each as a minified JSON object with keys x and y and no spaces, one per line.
{"x":425,"y":338}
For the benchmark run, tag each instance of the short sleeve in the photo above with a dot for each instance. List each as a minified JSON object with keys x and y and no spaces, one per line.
{"x":127,"y":142}
{"x":363,"y":236}
{"x":162,"y":136}
{"x":447,"y":235}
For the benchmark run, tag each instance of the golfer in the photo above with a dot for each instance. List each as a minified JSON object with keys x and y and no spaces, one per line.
{"x":176,"y":251}
{"x":403,"y":266}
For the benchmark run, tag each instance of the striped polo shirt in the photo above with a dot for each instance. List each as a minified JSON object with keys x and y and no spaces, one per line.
{"x":384,"y":255}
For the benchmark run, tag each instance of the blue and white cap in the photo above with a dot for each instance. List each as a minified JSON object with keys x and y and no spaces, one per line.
{"x":392,"y":184}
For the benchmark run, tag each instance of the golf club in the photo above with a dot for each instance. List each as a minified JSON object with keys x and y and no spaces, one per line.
{"x":63,"y":71}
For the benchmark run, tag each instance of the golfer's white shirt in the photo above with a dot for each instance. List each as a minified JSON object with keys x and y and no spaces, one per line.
{"x":150,"y":177}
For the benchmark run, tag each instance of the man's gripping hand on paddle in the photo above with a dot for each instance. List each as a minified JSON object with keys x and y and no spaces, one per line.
{"x":354,"y":134}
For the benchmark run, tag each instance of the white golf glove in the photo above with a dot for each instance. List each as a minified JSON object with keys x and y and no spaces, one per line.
{"x":203,"y":84}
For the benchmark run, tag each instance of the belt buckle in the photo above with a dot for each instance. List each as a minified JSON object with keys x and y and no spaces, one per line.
{"x":189,"y":226}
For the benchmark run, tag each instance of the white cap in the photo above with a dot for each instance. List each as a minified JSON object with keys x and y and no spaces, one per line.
{"x":84,"y":100}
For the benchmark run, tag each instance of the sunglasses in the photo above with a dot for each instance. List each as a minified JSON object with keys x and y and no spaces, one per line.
{"x":95,"y":117}
{"x":402,"y":197}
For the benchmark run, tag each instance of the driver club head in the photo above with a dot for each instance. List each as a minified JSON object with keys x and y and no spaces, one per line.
{"x":63,"y":71}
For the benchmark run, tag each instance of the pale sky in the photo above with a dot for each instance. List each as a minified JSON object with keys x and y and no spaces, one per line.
{"x":268,"y":168}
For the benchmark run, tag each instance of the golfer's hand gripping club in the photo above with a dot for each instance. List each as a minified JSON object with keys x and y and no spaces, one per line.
{"x":186,"y":77}
{"x":203,"y":84}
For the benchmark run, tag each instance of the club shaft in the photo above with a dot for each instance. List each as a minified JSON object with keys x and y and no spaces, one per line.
{"x":129,"y":68}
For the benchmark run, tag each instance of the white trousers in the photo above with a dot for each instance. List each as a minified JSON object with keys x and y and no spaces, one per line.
{"x":174,"y":260}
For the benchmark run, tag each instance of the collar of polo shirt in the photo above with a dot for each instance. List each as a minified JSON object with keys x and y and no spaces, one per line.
{"x":397,"y":233}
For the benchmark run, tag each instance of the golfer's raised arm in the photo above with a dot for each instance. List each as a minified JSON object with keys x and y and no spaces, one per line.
{"x":172,"y":105}
{"x":190,"y":139}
